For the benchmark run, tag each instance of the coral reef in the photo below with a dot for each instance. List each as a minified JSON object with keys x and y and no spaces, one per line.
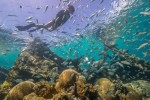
{"x":71,"y":85}
{"x":40,"y":74}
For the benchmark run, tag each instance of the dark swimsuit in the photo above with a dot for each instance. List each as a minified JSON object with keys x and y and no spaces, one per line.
{"x":61,"y":17}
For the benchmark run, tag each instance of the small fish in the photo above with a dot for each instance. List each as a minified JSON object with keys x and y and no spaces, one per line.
{"x":86,"y":59}
{"x":20,"y":6}
{"x":140,"y":33}
{"x":72,"y":76}
{"x":92,"y":1}
{"x":37,"y":21}
{"x":63,"y":32}
{"x":55,"y":58}
{"x":117,"y":92}
{"x":38,"y":8}
{"x":71,"y":66}
{"x":77,"y":29}
{"x":29,"y":18}
{"x":145,"y":13}
{"x":87,"y":25}
{"x":46,"y":8}
{"x":3,"y":53}
{"x":14,"y":33}
{"x":73,"y":21}
{"x":147,"y":53}
{"x":1,"y":25}
{"x":55,"y":69}
{"x":125,"y":62}
{"x":65,"y":63}
{"x":29,"y":21}
{"x":12,"y":15}
{"x":65,"y":0}
{"x":96,"y":48}
{"x":62,"y":1}
{"x":94,"y":14}
{"x":120,"y":64}
{"x":101,"y":1}
{"x":142,"y":46}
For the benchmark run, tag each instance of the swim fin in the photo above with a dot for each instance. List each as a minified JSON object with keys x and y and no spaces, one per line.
{"x":24,"y":28}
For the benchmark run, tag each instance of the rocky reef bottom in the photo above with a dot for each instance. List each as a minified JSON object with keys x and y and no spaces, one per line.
{"x":71,"y":85}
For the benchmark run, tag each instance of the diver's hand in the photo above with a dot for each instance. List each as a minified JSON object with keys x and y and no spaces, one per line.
{"x":50,"y":29}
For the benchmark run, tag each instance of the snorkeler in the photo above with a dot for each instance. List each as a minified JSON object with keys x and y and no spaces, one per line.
{"x":61,"y":17}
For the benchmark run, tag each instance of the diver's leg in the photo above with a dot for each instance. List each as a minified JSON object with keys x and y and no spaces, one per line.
{"x":49,"y":24}
{"x":24,"y":28}
{"x":38,"y":26}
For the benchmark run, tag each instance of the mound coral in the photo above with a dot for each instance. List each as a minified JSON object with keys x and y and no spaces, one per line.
{"x":20,"y":90}
{"x":66,"y":79}
{"x":104,"y":87}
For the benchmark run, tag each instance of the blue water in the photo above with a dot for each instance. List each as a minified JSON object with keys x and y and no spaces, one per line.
{"x":86,"y":46}
{"x":90,"y":46}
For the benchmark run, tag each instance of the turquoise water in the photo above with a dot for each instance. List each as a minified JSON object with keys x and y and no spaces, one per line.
{"x":126,"y":26}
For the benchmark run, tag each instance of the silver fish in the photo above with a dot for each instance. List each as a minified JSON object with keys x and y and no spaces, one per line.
{"x":147,"y":53}
{"x":140,"y":33}
{"x":12,"y":15}
{"x":125,"y":62}
{"x":142,"y":46}
{"x":101,"y":1}
{"x":46,"y":8}
{"x":29,"y":18}
{"x":120,"y":64}
{"x":38,"y":8}
{"x":145,"y":13}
